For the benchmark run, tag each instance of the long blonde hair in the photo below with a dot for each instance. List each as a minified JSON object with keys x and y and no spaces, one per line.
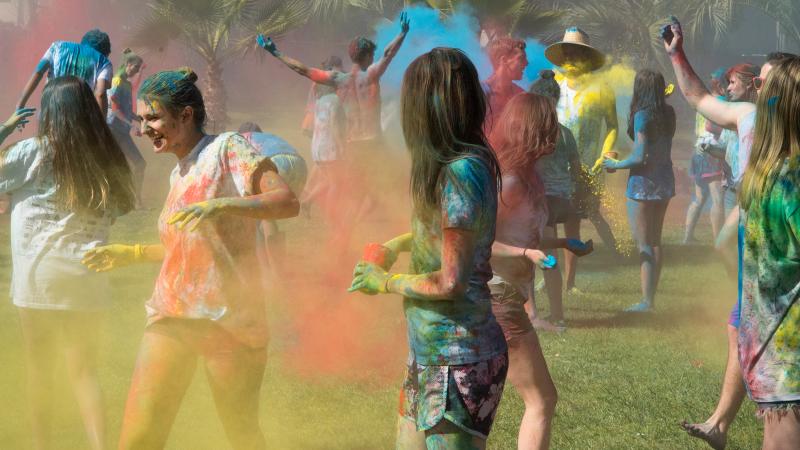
{"x":777,"y":131}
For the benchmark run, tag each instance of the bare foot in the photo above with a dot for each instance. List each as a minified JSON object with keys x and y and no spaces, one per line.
{"x":713,"y":436}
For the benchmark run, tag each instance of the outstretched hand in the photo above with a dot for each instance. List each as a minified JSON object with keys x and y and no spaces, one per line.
{"x":673,"y":28}
{"x":112,"y":256}
{"x":608,"y":162}
{"x":19,"y":118}
{"x":196,"y":213}
{"x":405,"y":24}
{"x":369,"y":279}
{"x":267,"y":44}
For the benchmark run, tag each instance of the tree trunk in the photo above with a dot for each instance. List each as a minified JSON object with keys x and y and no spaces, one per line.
{"x":215,"y":98}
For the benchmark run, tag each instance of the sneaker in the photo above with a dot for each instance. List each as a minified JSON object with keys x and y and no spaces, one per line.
{"x":642,"y":306}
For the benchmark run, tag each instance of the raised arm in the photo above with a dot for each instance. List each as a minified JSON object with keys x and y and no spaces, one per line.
{"x":316,"y":75}
{"x":378,"y":68}
{"x":725,"y":114}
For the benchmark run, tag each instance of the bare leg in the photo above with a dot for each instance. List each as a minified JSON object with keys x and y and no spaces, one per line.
{"x":81,"y":338}
{"x":701,"y":194}
{"x":528,"y":373}
{"x":235,"y":379}
{"x":715,"y":430}
{"x":604,"y":230}
{"x":553,"y":282}
{"x":782,"y":430}
{"x":40,"y":331}
{"x":638,"y":219}
{"x":726,"y":243}
{"x":164,"y":370}
{"x":408,"y":438}
{"x":572,"y":230}
{"x":655,"y":228}
{"x":717,"y":206}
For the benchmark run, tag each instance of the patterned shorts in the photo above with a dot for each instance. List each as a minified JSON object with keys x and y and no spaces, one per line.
{"x":467,"y":395}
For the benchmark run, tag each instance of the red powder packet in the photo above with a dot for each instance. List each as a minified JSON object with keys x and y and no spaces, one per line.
{"x":376,"y":254}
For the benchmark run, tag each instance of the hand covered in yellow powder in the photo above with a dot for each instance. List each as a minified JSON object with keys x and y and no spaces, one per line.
{"x":369,"y":279}
{"x":108,"y":257}
{"x":197,"y":212}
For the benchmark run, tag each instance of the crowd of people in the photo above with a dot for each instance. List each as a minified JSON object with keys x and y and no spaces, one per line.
{"x":494,"y":171}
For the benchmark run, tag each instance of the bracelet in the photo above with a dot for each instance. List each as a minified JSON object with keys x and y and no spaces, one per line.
{"x":138,"y":252}
{"x":524,"y":252}
{"x":386,"y":283}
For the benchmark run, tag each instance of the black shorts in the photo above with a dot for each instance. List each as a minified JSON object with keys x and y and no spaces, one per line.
{"x":560,"y":210}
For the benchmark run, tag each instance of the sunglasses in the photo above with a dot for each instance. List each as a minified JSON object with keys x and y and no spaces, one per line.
{"x":758,"y":83}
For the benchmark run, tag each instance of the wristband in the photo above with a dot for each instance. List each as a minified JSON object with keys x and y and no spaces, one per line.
{"x":524,"y":252}
{"x":386,"y":283}
{"x":138,"y":252}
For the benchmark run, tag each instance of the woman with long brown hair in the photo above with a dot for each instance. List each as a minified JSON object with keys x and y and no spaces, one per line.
{"x":67,"y":186}
{"x":651,"y":183}
{"x":457,"y":362}
{"x":527,"y":130}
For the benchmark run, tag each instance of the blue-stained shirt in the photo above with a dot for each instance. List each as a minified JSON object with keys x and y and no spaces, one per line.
{"x":461,"y":330}
{"x":653,"y":179}
{"x":269,"y":145}
{"x":68,"y":58}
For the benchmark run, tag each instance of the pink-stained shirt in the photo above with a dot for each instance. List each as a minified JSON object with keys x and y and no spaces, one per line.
{"x":213,"y":272}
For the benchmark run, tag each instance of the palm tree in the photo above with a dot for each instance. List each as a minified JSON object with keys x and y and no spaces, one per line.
{"x":217,"y":30}
{"x":632,"y":27}
{"x":786,"y":14}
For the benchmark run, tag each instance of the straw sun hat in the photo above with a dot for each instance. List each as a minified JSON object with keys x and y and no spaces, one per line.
{"x":575,"y":45}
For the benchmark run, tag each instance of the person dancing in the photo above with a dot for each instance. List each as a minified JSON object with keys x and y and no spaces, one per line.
{"x":208,"y":300}
{"x":67,"y":186}
{"x":458,"y":357}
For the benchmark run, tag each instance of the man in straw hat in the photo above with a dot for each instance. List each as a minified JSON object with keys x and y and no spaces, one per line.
{"x":588,"y":108}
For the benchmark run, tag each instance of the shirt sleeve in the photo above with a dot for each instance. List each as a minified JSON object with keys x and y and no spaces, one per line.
{"x":17,"y":166}
{"x":243,"y":162}
{"x":465,"y":193}
{"x":106,"y":71}
{"x":47,"y":60}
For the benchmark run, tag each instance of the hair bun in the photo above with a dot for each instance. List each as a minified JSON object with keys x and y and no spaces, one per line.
{"x":126,"y":51}
{"x":188,"y":74}
{"x":547,"y":74}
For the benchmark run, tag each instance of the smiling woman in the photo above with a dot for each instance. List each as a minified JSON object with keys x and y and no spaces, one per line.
{"x":208,"y":300}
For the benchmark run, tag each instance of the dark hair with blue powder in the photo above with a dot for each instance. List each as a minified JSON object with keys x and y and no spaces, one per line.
{"x":98,"y":40}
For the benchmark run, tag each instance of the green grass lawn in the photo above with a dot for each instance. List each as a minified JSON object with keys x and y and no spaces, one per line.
{"x":336,"y":360}
{"x":624,"y":382}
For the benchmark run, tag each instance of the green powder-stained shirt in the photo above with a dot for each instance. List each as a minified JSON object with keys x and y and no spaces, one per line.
{"x":769,"y":334}
{"x":461,"y":330}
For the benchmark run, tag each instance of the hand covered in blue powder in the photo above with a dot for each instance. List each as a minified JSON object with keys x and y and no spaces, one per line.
{"x":405,"y":24}
{"x":267,"y":44}
{"x":580,"y":248}
{"x":19,"y":118}
{"x":609,"y":163}
{"x":197,"y":212}
{"x":672,"y":34}
{"x":369,"y":279}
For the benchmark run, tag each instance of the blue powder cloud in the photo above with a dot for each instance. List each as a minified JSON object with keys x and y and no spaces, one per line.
{"x":460,"y":30}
